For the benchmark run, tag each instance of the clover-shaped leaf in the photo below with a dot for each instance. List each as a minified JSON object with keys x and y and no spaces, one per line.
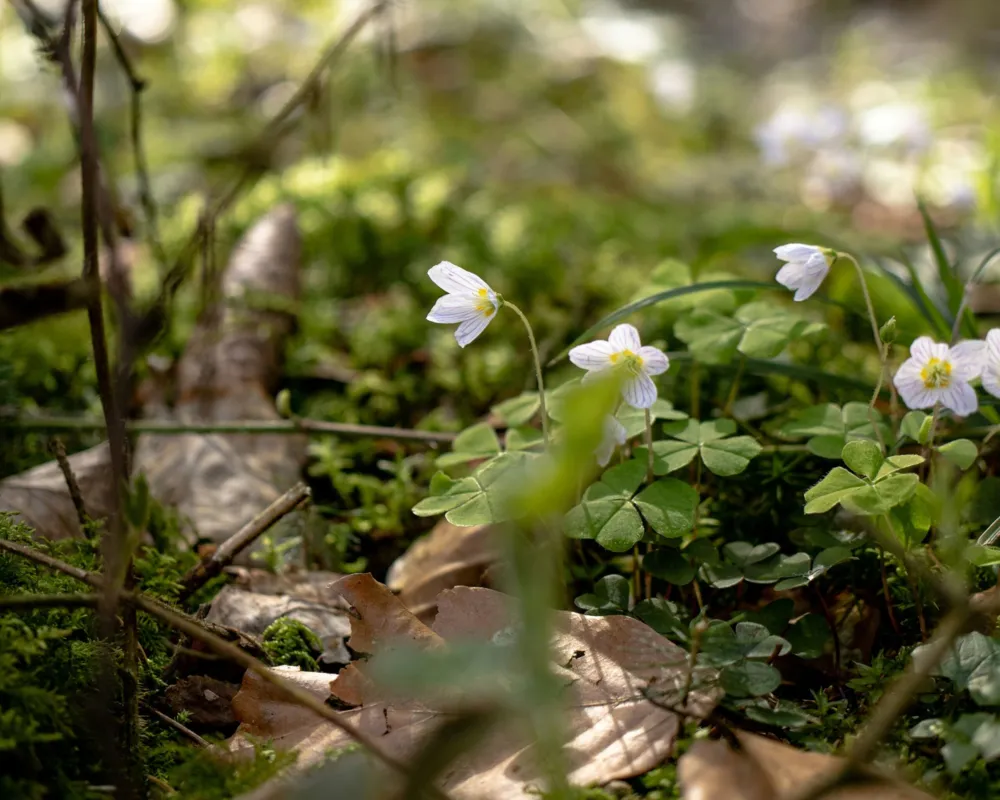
{"x":863,"y":456}
{"x":478,"y":499}
{"x":973,"y":664}
{"x":781,"y":715}
{"x":611,"y":519}
{"x":669,"y":565}
{"x":749,"y":679}
{"x":829,"y":427}
{"x":809,"y":636}
{"x":742,"y":554}
{"x":722,"y":453}
{"x":634,"y":419}
{"x":474,"y":443}
{"x":668,"y":506}
{"x":518,"y":410}
{"x":960,"y":452}
{"x":666,"y":618}
{"x":610,"y":596}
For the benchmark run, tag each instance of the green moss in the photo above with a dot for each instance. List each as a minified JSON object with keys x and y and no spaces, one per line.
{"x":288,"y":641}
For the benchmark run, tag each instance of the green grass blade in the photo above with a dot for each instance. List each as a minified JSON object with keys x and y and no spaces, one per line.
{"x":953,"y":285}
{"x":931,"y":312}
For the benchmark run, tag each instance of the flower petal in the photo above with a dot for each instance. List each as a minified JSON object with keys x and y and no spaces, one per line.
{"x":991,"y":379}
{"x":471,"y":328}
{"x":654,"y":361}
{"x":454,"y":308}
{"x":960,"y":398}
{"x":797,"y":252}
{"x":455,"y":280}
{"x":993,"y":345}
{"x":625,"y":337}
{"x":593,"y":355}
{"x":613,"y":434}
{"x":639,"y":391}
{"x":922,"y":349}
{"x":967,"y":359}
{"x":911,"y":386}
{"x":618,"y":431}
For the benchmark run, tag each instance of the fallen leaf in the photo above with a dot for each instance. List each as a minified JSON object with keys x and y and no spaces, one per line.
{"x":447,"y":557}
{"x":610,"y":662}
{"x":252,"y":612}
{"x":764,"y":769}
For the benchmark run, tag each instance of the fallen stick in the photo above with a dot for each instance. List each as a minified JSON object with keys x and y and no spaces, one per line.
{"x":209,"y":567}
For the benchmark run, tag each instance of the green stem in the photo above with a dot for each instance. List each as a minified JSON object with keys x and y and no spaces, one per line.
{"x":880,"y":347}
{"x":649,"y":447}
{"x":538,"y":369}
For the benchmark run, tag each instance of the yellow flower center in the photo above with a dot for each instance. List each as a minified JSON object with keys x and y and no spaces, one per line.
{"x":484,"y":306}
{"x":937,"y":374}
{"x":627,"y":360}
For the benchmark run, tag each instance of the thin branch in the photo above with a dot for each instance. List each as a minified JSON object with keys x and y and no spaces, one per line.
{"x":196,"y":629}
{"x":243,"y":538}
{"x":272,"y":133}
{"x":48,"y":600}
{"x":165,"y":428}
{"x":136,"y":86}
{"x":59,"y":449}
{"x":25,"y":303}
{"x":182,"y":729}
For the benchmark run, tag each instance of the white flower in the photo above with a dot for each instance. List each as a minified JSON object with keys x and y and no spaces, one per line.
{"x":624,"y":351}
{"x":807,"y":266}
{"x":470,"y":301}
{"x":613,"y":435}
{"x":991,"y":363}
{"x":938,"y":373}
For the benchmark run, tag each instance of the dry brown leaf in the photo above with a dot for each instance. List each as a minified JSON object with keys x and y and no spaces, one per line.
{"x":252,"y":612}
{"x":228,"y":372}
{"x":609,"y":662}
{"x":768,"y":770}
{"x":447,"y":557}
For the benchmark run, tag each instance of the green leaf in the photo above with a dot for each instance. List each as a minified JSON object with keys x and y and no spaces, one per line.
{"x":626,"y":311}
{"x":669,"y":565}
{"x":775,"y":616}
{"x":474,"y":443}
{"x":612,"y":521}
{"x":446,"y":494}
{"x":884,"y":495}
{"x":634,"y":419}
{"x":663,"y":617}
{"x":610,"y":596}
{"x":625,"y":478}
{"x":712,"y":338}
{"x":973,"y":664}
{"x":863,"y":456}
{"x":522,"y":438}
{"x":721,"y":576}
{"x":723,"y":456}
{"x":831,"y":427}
{"x":796,"y":565}
{"x":894,"y":464}
{"x":953,"y":285}
{"x":960,"y":452}
{"x":668,"y":506}
{"x":518,"y":410}
{"x":928,"y":729}
{"x":749,"y":679}
{"x":668,"y":455}
{"x":730,"y":456}
{"x":835,"y":487}
{"x":911,"y":424}
{"x":742,"y":554}
{"x":755,"y":641}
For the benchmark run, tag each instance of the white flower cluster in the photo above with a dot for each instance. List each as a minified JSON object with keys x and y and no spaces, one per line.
{"x":934,"y":372}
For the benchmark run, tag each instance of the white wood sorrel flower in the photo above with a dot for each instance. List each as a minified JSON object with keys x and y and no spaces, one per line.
{"x":991,"y":363}
{"x":806,"y":269}
{"x":469,"y":301}
{"x":624,"y":351}
{"x":938,"y":373}
{"x":613,"y":435}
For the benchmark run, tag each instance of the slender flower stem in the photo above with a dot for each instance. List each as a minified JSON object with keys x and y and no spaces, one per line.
{"x":538,"y":369}
{"x":881,"y":348}
{"x":649,"y":446}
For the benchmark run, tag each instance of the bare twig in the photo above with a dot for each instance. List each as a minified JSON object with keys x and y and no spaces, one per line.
{"x":136,"y":86}
{"x":26,"y":303}
{"x":48,"y":600}
{"x":48,"y":561}
{"x":182,"y":729}
{"x":298,"y":425}
{"x":243,"y":538}
{"x":272,"y":133}
{"x":59,"y":449}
